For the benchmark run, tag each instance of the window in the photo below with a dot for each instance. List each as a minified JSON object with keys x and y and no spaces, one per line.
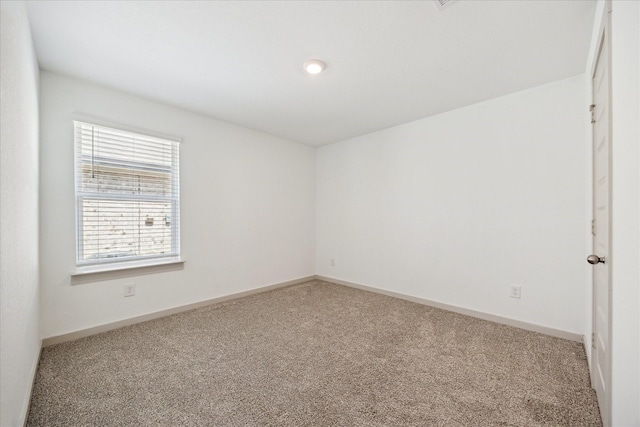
{"x":127,"y":197}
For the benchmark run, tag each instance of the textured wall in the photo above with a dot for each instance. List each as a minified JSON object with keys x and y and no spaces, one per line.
{"x":625,"y":211}
{"x":19,"y":334}
{"x":457,"y":207}
{"x":247,"y":208}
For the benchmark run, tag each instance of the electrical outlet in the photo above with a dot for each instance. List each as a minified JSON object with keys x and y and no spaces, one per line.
{"x":129,"y":289}
{"x":515,"y":291}
{"x":332,"y":262}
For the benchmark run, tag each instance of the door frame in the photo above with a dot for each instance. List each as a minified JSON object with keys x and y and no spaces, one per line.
{"x":604,"y":31}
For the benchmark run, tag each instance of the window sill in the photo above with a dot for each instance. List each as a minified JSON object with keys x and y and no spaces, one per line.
{"x":125,"y":269}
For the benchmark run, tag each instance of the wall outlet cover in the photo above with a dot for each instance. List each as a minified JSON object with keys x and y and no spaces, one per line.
{"x":129,"y":290}
{"x":515,"y":291}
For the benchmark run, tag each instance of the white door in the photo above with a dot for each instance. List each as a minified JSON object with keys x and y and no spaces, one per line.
{"x":601,"y":114}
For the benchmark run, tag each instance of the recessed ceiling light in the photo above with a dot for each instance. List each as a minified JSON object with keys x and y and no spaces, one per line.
{"x":314,"y":66}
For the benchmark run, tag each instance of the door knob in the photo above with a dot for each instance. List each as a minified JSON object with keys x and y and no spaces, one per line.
{"x":594,"y":259}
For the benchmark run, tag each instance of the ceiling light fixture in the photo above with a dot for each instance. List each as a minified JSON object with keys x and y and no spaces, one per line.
{"x":314,"y":66}
{"x":443,"y":4}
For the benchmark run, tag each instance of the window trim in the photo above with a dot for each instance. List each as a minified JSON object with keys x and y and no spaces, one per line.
{"x":126,"y":265}
{"x":81,"y":277}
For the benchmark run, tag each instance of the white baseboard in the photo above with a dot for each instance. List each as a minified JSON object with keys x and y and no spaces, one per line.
{"x":34,"y":370}
{"x":466,"y":311}
{"x":167,"y":312}
{"x":162,"y":313}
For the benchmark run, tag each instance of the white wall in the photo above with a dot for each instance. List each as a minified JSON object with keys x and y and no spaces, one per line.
{"x":455,"y":208}
{"x":248,"y":216}
{"x":19,"y":335}
{"x":625,"y":251}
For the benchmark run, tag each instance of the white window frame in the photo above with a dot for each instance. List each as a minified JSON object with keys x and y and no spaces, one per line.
{"x":109,"y":264}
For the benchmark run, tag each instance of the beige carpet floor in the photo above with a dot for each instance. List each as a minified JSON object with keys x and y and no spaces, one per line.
{"x":315,"y":354}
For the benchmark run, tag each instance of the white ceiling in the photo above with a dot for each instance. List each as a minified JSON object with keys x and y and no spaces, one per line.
{"x":389,"y":62}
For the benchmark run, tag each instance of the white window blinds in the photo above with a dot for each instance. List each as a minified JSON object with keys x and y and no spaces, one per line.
{"x":127,"y":196}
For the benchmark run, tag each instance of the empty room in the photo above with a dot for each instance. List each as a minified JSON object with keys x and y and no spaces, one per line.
{"x":320,"y":213}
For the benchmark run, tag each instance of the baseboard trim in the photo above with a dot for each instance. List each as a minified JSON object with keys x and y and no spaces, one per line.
{"x":34,"y":372}
{"x":466,"y":311}
{"x":71,"y":336}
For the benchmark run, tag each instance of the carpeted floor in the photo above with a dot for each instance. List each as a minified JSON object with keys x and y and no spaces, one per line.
{"x":315,"y":354}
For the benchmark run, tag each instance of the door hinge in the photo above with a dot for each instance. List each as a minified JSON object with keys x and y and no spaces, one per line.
{"x":593,"y":227}
{"x":592,"y":110}
{"x":593,"y":340}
